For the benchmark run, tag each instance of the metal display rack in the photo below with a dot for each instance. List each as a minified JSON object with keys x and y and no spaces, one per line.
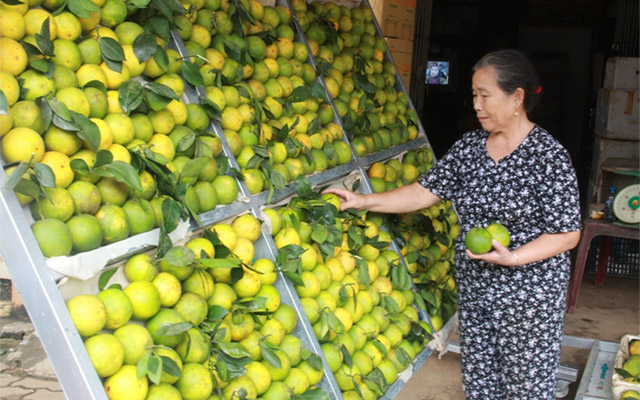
{"x":38,"y":284}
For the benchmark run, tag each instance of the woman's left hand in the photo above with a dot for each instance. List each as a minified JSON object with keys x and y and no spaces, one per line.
{"x":499,"y":255}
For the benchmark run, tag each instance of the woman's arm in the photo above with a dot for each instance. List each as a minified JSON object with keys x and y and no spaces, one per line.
{"x":404,"y":199}
{"x":541,"y":248}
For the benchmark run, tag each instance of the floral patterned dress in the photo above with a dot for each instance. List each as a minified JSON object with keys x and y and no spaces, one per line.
{"x":511,"y":318}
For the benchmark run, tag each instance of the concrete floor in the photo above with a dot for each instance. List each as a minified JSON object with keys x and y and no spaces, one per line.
{"x":606,"y":313}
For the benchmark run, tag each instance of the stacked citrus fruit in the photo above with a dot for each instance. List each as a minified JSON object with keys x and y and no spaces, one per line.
{"x":273,"y":111}
{"x":201,"y":321}
{"x":354,"y":291}
{"x":426,"y":237}
{"x":95,"y":117}
{"x":401,"y":171}
{"x":351,"y":58}
{"x":427,"y":241}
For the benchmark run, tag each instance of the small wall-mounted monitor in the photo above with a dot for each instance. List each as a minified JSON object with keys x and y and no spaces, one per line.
{"x":438,"y":73}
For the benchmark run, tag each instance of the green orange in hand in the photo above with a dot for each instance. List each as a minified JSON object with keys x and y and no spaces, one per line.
{"x":478,"y":240}
{"x":500,"y":233}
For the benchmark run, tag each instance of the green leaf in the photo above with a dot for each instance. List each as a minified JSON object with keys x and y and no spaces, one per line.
{"x":170,"y":367}
{"x":30,"y":48}
{"x":27,"y":188}
{"x":294,"y":277}
{"x":179,"y":256}
{"x":234,"y":350}
{"x":4,"y":104}
{"x":138,"y":3}
{"x":16,"y":175}
{"x":623,"y":373}
{"x":62,"y":124}
{"x":376,"y":381}
{"x":300,"y":93}
{"x":113,"y":65}
{"x":157,"y":102}
{"x":277,"y":180}
{"x":314,"y":394}
{"x":164,"y":243}
{"x":270,"y":355}
{"x":315,"y":362}
{"x":45,"y":175}
{"x":160,"y":57}
{"x":42,"y":40}
{"x":105,"y":277}
{"x":346,"y":356}
{"x":420,"y":303}
{"x":380,"y":347}
{"x":390,"y":304}
{"x":59,"y":109}
{"x":125,"y":173}
{"x":216,"y":313}
{"x":335,"y":324}
{"x":161,"y":90}
{"x":319,"y":233}
{"x":363,"y":268}
{"x":88,"y":132}
{"x":324,"y":67}
{"x":82,"y":8}
{"x":130,"y":95}
{"x":45,"y":66}
{"x":220,"y":262}
{"x":103,"y":157}
{"x":174,"y":329}
{"x":192,"y":74}
{"x":145,"y":46}
{"x":142,"y":368}
{"x":192,"y":168}
{"x":111,"y":49}
{"x":154,"y":368}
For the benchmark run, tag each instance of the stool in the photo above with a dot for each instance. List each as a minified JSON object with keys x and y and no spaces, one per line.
{"x":590,"y":229}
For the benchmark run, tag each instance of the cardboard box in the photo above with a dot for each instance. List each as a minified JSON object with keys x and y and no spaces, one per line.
{"x":617,"y":114}
{"x":622,"y":73}
{"x":402,"y":53}
{"x":396,"y":17}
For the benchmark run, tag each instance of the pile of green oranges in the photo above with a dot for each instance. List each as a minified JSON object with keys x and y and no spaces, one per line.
{"x":350,"y":55}
{"x":353,"y":292}
{"x":274,"y":113}
{"x":204,"y":321}
{"x":70,"y":109}
{"x":426,"y":237}
{"x":396,"y":172}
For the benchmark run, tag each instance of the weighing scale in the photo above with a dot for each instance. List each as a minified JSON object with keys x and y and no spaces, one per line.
{"x":626,"y":204}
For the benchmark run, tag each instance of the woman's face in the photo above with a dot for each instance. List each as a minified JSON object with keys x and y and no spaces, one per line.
{"x":494,"y":108}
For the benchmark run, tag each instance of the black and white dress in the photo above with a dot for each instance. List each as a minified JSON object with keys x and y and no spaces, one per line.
{"x":511,"y":318}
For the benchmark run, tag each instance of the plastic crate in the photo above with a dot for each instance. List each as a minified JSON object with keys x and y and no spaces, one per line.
{"x":624,"y":259}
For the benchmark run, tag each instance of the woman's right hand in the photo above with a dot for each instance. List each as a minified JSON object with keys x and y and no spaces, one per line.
{"x":348,"y":199}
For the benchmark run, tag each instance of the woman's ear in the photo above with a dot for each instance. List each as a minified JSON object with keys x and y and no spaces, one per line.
{"x":518,"y":96}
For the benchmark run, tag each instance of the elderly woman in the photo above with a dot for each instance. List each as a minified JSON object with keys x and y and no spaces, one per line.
{"x":511,"y":300}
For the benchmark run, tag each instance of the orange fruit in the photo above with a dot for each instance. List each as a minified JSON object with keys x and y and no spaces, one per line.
{"x":478,"y":240}
{"x":500,"y":233}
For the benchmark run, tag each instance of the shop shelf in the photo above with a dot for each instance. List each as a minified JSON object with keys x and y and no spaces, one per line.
{"x":44,"y":300}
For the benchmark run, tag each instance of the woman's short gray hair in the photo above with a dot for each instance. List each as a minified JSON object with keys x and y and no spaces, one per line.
{"x":514,"y":70}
